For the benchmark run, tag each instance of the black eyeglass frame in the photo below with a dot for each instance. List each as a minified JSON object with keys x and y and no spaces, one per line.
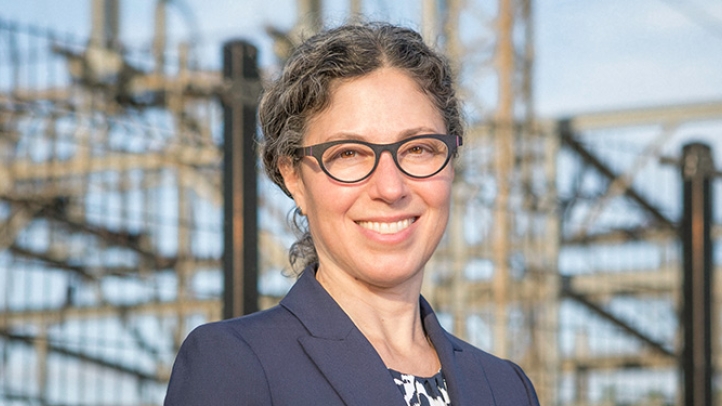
{"x":453,"y":142}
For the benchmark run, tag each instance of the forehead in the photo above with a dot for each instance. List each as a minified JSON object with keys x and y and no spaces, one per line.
{"x":381,"y":106}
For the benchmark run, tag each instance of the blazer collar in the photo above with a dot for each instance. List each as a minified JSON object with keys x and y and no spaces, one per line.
{"x":316,"y":309}
{"x":448,"y":351}
{"x":344,"y":356}
{"x":466,"y":379}
{"x":362,"y":378}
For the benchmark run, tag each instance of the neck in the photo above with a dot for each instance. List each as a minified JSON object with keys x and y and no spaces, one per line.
{"x":388,"y":317}
{"x":376,"y":311}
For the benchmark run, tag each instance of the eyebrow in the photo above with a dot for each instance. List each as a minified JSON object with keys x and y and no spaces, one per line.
{"x":341,"y":136}
{"x":402,"y":135}
{"x":418,"y":131}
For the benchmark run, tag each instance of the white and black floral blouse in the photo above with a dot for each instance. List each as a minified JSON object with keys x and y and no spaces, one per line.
{"x":422,"y":391}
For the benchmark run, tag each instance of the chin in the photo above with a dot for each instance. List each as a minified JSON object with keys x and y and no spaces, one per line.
{"x":389,"y":275}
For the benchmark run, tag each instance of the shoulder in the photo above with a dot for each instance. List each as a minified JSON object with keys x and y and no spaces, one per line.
{"x":236,"y":332}
{"x":247,"y":335}
{"x":274,"y":317}
{"x":222,"y":361}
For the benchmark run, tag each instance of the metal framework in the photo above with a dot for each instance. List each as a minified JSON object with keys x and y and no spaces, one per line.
{"x":562,"y":253}
{"x":106,"y":166}
{"x":636,"y":297}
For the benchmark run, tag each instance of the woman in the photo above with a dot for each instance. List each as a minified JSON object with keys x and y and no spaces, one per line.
{"x":359,"y":130}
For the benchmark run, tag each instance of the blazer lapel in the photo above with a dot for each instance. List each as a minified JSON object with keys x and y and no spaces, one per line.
{"x":346,"y":358}
{"x":354,"y":370}
{"x":460,"y":368}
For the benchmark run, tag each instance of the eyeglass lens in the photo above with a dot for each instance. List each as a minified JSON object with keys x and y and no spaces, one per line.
{"x":418,"y":157}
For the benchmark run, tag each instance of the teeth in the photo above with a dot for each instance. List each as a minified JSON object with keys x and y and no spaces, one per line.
{"x":386,"y":228}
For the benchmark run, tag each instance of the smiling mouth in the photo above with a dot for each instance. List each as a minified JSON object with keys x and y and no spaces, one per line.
{"x":387,"y":228}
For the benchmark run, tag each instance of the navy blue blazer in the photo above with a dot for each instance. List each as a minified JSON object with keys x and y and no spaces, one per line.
{"x":307,"y":352}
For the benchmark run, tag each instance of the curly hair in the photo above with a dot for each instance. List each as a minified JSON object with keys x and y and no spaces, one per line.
{"x":304,"y":90}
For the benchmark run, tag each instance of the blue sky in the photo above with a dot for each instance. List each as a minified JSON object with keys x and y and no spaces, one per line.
{"x":612,"y":54}
{"x":590,"y":55}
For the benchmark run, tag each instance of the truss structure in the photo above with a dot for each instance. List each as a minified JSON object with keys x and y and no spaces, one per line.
{"x":109,"y":173}
{"x":620,"y":250}
{"x":562,"y":253}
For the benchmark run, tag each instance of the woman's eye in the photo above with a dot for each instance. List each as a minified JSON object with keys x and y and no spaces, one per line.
{"x":347,"y":153}
{"x":419,"y":149}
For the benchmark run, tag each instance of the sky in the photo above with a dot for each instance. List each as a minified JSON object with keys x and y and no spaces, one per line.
{"x":614,"y":54}
{"x":590,"y":55}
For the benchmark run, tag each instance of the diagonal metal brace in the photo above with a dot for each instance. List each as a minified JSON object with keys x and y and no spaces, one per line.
{"x":81,"y":356}
{"x":567,"y":137}
{"x":567,"y":291}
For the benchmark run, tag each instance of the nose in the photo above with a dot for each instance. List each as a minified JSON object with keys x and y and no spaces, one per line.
{"x":387,"y":183}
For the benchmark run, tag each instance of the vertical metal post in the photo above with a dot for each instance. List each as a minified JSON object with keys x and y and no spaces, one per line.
{"x":310,"y":17}
{"x":430,"y":21}
{"x":504,"y":166}
{"x":159,"y":36}
{"x":355,"y":9}
{"x":240,"y":223}
{"x":697,"y":172}
{"x":105,"y":23}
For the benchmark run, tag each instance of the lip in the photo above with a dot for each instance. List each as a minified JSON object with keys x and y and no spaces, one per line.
{"x":387,"y":227}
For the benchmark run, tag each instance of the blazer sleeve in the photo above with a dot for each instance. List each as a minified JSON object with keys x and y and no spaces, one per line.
{"x":215,"y":366}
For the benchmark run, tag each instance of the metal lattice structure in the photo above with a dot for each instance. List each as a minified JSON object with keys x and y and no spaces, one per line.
{"x":111,"y":201}
{"x":107,"y":166}
{"x":562,"y":253}
{"x":495,"y":275}
{"x":621,"y":250}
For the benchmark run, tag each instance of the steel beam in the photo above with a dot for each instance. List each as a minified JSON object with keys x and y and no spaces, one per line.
{"x":659,"y":115}
{"x":240,"y":224}
{"x":696,"y":317}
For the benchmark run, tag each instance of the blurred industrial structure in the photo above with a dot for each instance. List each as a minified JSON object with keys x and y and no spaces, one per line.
{"x":564,"y":252}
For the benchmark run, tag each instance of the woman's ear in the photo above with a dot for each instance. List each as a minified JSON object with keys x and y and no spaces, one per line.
{"x":292,"y":180}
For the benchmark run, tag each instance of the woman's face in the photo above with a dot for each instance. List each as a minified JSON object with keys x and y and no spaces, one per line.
{"x":382,"y":230}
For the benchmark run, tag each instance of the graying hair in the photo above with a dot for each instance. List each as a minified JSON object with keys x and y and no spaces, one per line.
{"x":304,"y":89}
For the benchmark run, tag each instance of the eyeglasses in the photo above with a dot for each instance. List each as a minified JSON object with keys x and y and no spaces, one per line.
{"x":350,"y":161}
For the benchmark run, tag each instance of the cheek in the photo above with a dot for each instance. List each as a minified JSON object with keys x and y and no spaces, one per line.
{"x":327,"y":200}
{"x":438,"y":193}
{"x":442,"y":201}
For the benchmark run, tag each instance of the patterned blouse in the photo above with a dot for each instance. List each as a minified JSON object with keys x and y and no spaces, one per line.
{"x":422,"y":391}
